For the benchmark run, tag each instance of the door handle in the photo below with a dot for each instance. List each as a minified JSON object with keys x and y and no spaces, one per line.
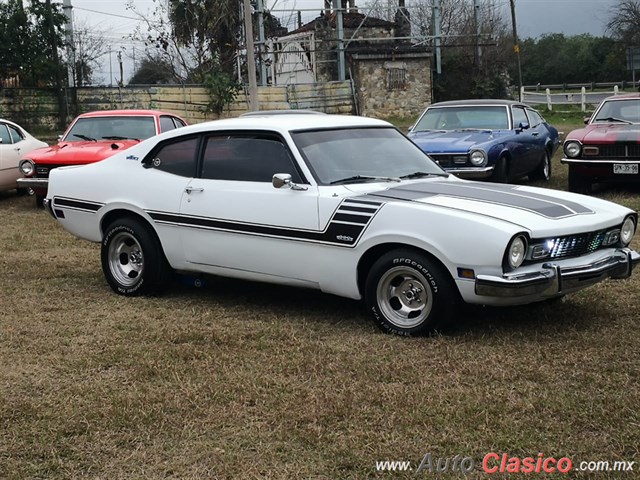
{"x":190,"y":190}
{"x":535,"y":134}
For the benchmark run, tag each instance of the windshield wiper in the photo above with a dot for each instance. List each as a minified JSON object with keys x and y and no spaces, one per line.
{"x":117,"y":137}
{"x":488,"y":130}
{"x":613,"y":119}
{"x":424,"y":174}
{"x":428,"y":130}
{"x":85,"y":137}
{"x":357,"y":178}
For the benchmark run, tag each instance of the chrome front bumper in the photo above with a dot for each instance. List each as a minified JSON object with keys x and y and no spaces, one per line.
{"x":471,"y":172}
{"x":27,"y":182}
{"x":553,"y":280}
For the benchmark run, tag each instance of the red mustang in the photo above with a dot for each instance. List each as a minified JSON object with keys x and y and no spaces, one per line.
{"x":92,"y":137}
{"x":608,"y":148}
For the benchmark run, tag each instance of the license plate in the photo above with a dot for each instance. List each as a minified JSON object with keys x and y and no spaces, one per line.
{"x":625,"y":168}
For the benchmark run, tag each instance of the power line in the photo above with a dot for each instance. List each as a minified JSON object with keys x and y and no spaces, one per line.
{"x":106,"y":13}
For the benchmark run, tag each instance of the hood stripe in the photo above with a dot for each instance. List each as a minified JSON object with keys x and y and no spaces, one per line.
{"x":507,"y":195}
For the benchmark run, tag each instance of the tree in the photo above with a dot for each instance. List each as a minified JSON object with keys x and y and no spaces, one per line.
{"x":153,"y":70}
{"x":475,"y":54}
{"x":554,"y":59}
{"x":624,"y":23}
{"x":89,"y":44}
{"x":30,"y":40}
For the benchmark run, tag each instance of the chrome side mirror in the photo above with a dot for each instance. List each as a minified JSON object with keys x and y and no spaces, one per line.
{"x":280,"y":180}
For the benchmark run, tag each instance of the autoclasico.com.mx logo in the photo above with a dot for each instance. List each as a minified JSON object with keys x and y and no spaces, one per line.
{"x":504,"y":463}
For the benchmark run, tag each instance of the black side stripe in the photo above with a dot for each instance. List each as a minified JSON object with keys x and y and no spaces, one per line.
{"x":337,"y":231}
{"x":77,"y":204}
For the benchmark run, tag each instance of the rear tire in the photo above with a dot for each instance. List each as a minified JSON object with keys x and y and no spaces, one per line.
{"x":409,"y":294}
{"x":578,"y":183}
{"x":40,"y":201}
{"x":132,"y":259}
{"x":543,"y":170}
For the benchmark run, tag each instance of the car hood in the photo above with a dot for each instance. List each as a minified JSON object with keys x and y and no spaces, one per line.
{"x":454,"y":140}
{"x":607,"y":133}
{"x":78,"y":153}
{"x":541,"y":211}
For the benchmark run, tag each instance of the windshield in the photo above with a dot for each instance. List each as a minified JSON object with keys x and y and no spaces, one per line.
{"x":111,"y":128}
{"x":362,"y":154}
{"x":625,"y":111}
{"x":474,"y":117}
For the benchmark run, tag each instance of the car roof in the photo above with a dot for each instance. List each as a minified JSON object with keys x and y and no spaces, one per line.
{"x":477,"y":102}
{"x":122,"y":113}
{"x":626,"y":96}
{"x":282,"y":123}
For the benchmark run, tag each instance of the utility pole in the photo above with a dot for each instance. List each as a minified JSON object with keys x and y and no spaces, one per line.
{"x":437,"y":35}
{"x":337,"y":7}
{"x":53,"y":41}
{"x":516,"y":47}
{"x":251,"y":60}
{"x":262,"y":44}
{"x":68,"y":34}
{"x":476,"y":19}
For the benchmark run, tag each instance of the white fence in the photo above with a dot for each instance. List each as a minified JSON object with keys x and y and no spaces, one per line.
{"x":553,"y":98}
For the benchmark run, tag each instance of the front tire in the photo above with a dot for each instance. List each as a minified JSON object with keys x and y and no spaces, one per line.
{"x":407,"y":293}
{"x":578,"y":183}
{"x":132,"y":259}
{"x":501,"y":171}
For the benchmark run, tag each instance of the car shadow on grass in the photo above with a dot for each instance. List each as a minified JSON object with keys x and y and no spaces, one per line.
{"x":543,"y":318}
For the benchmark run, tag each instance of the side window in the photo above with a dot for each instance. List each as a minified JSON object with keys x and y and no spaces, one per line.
{"x":519,"y":116}
{"x":15,"y":134}
{"x":4,"y":134}
{"x":178,"y":157}
{"x":534,"y":118}
{"x":179,"y":123}
{"x":247,"y":159}
{"x":166,"y":124}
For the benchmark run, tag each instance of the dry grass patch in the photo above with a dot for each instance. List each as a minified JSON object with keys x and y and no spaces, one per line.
{"x":241,"y":380}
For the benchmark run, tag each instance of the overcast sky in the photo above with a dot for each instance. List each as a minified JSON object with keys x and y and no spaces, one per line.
{"x":534,"y":18}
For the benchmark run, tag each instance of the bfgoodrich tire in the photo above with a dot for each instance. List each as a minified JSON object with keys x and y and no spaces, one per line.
{"x":132,"y":259}
{"x":408,"y":293}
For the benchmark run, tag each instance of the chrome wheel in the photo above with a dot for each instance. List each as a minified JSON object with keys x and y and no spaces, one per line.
{"x":126,"y":260}
{"x":404,"y":296}
{"x":546,"y":167}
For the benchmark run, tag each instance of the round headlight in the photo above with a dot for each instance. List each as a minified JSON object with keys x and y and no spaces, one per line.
{"x":572,"y":149}
{"x":478,"y":158}
{"x":26,"y":167}
{"x":516,"y":251}
{"x":627,"y":231}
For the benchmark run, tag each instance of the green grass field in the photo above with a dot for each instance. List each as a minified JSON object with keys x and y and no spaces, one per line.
{"x":243,"y":380}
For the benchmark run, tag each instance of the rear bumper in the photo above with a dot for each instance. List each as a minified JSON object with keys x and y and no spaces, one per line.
{"x":553,"y":280}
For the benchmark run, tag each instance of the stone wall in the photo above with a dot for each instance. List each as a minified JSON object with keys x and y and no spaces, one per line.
{"x":38,"y":109}
{"x":392,"y":84}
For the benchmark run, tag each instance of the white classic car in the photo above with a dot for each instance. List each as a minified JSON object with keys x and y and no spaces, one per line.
{"x":15,"y":142}
{"x":347,"y":205}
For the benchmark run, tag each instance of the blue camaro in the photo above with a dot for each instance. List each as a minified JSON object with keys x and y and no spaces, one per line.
{"x":497,"y":140}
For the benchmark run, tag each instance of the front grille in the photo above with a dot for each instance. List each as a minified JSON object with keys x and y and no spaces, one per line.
{"x":42,"y":171}
{"x":622,"y":151}
{"x":568,"y":246}
{"x":450,"y":160}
